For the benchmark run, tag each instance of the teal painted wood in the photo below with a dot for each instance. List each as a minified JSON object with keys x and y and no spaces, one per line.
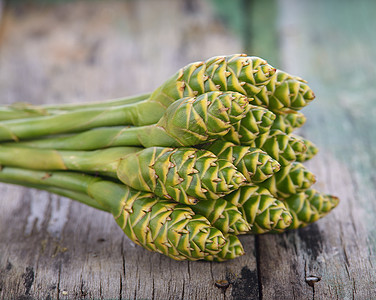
{"x":254,"y":23}
{"x":331,"y":44}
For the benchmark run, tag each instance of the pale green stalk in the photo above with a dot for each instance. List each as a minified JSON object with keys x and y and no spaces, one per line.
{"x":21,"y":110}
{"x":97,"y":104}
{"x":74,"y":195}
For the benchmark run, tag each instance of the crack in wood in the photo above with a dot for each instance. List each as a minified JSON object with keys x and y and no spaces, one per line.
{"x":312,"y":239}
{"x":246,"y":285}
{"x":58,"y":282}
{"x":28,"y":278}
{"x":258,"y":266}
{"x":120,"y":287}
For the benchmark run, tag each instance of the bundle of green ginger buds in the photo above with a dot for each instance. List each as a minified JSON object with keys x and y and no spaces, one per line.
{"x":207,"y":156}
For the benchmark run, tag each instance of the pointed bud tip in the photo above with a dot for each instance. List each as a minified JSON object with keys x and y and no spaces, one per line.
{"x":276,"y":166}
{"x":285,"y":220}
{"x":243,"y":227}
{"x":239,"y":250}
{"x":239,"y":178}
{"x":312,"y":178}
{"x":333,"y":200}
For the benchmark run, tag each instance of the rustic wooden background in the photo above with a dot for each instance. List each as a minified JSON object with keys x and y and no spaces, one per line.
{"x":70,"y":51}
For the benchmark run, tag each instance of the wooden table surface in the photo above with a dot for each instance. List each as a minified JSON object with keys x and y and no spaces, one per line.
{"x":73,"y":51}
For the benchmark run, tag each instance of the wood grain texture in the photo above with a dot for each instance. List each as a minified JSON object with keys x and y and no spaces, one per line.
{"x":51,"y":247}
{"x":54,"y":248}
{"x":328,"y":43}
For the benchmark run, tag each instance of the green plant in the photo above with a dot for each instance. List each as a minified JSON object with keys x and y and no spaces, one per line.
{"x":209,"y":155}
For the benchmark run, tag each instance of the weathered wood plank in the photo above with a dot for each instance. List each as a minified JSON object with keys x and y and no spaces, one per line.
{"x":329,"y":44}
{"x":51,"y":247}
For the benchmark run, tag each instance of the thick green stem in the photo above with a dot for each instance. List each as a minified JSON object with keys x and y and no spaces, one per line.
{"x":66,"y":180}
{"x":98,"y":104}
{"x":67,"y":184}
{"x":80,"y":197}
{"x":140,"y":113}
{"x":22,"y":111}
{"x":104,"y":161}
{"x":25,"y":110}
{"x":105,"y":137}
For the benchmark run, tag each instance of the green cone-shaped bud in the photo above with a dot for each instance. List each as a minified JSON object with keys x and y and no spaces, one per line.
{"x":256,"y":123}
{"x":182,"y":174}
{"x":255,"y":164}
{"x":167,"y":227}
{"x":281,"y":146}
{"x":251,"y":76}
{"x":192,"y":121}
{"x":262,"y":211}
{"x":309,"y":153}
{"x":237,"y":73}
{"x":232,"y":249}
{"x":289,"y":180}
{"x":284,"y":93}
{"x":222,"y":215}
{"x":287,"y":123}
{"x":309,"y":206}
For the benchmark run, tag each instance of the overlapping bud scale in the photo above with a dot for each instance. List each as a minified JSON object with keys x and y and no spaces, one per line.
{"x":237,"y":73}
{"x":185,"y":175}
{"x":222,"y":215}
{"x":287,"y":123}
{"x":261,"y":210}
{"x":284,"y":93}
{"x":204,"y":118}
{"x":256,"y":124}
{"x":289,"y":180}
{"x":255,"y":164}
{"x":309,"y":153}
{"x":248,"y":75}
{"x":232,"y":249}
{"x":282,"y":147}
{"x":309,"y":206}
{"x":169,"y":228}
